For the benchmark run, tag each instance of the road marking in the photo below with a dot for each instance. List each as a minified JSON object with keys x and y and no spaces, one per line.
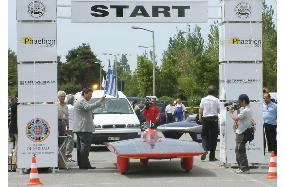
{"x":245,"y":176}
{"x":139,"y":182}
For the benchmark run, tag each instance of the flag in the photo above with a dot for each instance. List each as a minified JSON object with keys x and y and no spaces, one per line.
{"x":110,"y":86}
{"x":103,"y":82}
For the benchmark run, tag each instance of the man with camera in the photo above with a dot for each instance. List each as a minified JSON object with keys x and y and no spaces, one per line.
{"x":152,"y":113}
{"x":243,"y":121}
{"x":208,"y":117}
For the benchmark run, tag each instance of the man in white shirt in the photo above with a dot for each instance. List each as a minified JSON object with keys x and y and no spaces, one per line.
{"x":170,"y":110}
{"x":208,"y":116}
{"x":70,"y":139}
{"x":179,"y":110}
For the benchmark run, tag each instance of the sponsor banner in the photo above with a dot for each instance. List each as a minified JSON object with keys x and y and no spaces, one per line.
{"x":37,"y":134}
{"x":240,"y":42}
{"x":254,"y":149}
{"x":139,"y":11}
{"x":239,"y":78}
{"x":36,"y":9}
{"x":242,"y":10}
{"x":37,"y":42}
{"x":37,"y":82}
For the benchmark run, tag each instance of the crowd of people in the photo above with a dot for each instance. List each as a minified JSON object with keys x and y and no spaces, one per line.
{"x":77,"y":117}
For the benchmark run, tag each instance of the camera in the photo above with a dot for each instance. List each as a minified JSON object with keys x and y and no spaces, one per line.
{"x":147,"y":104}
{"x":232,"y":106}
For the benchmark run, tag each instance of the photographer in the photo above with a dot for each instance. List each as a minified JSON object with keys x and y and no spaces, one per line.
{"x":243,"y":121}
{"x":152,"y":113}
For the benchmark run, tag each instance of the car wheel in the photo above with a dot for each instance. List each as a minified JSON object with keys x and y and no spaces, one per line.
{"x":172,"y":134}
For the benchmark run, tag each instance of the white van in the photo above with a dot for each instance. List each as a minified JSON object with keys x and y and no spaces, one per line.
{"x":115,"y":119}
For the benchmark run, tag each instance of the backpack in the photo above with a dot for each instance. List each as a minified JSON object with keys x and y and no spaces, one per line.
{"x":249,"y":133}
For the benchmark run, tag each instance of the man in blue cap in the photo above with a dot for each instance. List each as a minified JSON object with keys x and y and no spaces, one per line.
{"x":243,"y":121}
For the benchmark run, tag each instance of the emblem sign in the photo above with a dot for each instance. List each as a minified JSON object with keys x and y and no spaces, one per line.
{"x":243,"y":10}
{"x":36,"y":9}
{"x":37,"y":130}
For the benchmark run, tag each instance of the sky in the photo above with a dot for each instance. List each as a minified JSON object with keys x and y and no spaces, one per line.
{"x":114,"y":38}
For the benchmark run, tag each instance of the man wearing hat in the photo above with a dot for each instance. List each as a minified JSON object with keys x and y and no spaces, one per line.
{"x":243,"y":121}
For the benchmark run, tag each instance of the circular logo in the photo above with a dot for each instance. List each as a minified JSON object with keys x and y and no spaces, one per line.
{"x":36,"y":9}
{"x":37,"y":130}
{"x":243,"y":10}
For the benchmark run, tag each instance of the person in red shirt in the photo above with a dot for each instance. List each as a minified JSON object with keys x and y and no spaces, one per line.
{"x":152,"y":113}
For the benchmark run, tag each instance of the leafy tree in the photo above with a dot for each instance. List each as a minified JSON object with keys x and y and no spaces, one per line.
{"x":144,"y":75}
{"x":12,"y":73}
{"x":269,"y":49}
{"x":123,"y":73}
{"x":82,"y":68}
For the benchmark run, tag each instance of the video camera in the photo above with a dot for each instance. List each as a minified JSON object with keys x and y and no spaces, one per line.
{"x":232,"y":106}
{"x":147,"y":103}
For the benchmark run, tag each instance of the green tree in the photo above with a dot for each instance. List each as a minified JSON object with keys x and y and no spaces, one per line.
{"x":269,"y":49}
{"x":144,"y":75}
{"x":82,"y":68}
{"x":12,"y":73}
{"x":124,"y":73}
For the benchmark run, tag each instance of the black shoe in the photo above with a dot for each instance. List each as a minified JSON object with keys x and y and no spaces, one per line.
{"x":213,"y":159}
{"x":203,"y":157}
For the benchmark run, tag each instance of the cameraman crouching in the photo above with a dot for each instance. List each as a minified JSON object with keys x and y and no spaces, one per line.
{"x":152,"y":113}
{"x":243,"y":122}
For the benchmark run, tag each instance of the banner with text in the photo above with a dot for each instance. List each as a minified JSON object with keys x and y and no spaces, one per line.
{"x":37,"y":82}
{"x":240,"y":42}
{"x":237,"y":78}
{"x":139,"y":11}
{"x":37,"y":42}
{"x":37,"y":134}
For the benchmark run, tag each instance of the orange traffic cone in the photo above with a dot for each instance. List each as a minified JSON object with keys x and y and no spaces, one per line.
{"x":34,"y":179}
{"x":272,"y":171}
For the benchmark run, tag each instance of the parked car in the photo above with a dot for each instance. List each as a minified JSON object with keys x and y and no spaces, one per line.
{"x":114,"y":120}
{"x":176,"y":129}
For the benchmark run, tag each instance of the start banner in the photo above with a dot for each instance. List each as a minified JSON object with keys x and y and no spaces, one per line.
{"x":139,"y":11}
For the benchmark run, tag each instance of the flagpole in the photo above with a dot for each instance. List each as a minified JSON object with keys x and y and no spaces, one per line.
{"x":100,"y":76}
{"x":116,"y":77}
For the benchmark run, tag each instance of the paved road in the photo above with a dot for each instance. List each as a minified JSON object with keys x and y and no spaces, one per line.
{"x":164,"y":173}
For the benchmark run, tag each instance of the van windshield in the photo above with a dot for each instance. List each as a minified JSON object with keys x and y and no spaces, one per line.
{"x":113,"y":106}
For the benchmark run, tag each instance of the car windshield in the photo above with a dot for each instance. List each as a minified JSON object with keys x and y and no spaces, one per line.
{"x":113,"y":106}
